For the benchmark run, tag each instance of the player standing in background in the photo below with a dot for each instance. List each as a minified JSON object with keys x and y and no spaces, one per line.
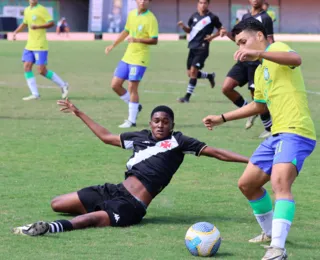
{"x":279,"y":159}
{"x":142,"y":27}
{"x":38,"y":19}
{"x":243,"y":72}
{"x":271,"y":13}
{"x":200,"y":27}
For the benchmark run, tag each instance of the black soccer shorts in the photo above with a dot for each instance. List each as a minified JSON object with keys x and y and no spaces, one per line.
{"x":243,"y":73}
{"x":123,"y":209}
{"x":197,"y":58}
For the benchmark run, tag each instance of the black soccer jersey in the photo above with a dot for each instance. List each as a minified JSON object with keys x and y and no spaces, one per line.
{"x":201,"y":26}
{"x":155,"y":162}
{"x":264,"y":18}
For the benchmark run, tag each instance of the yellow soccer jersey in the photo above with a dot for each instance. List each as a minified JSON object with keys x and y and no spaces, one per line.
{"x":143,"y":26}
{"x":37,"y":15}
{"x":282,"y":89}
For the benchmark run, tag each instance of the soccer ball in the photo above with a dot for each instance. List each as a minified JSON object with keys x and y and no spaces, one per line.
{"x":203,"y":239}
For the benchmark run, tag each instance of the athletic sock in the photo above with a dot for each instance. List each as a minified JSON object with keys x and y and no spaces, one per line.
{"x":60,"y":226}
{"x":202,"y":75}
{"x":240,"y":102}
{"x":32,"y":84}
{"x":262,"y":210}
{"x":126,"y":97}
{"x":133,"y":112}
{"x":283,"y":216}
{"x":192,"y":85}
{"x":55,"y":78}
{"x":266,"y":120}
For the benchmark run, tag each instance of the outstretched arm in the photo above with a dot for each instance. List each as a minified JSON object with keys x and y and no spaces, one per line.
{"x":20,"y":28}
{"x":224,"y":155}
{"x":102,"y":133}
{"x":184,"y":27}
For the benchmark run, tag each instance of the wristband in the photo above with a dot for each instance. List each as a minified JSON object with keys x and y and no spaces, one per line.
{"x":223,"y":118}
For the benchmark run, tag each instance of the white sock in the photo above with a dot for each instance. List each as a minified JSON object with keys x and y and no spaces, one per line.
{"x":55,"y":78}
{"x":32,"y":84}
{"x":265,"y":222}
{"x":126,"y":97}
{"x":204,"y":75}
{"x":280,"y":230}
{"x":133,"y":112}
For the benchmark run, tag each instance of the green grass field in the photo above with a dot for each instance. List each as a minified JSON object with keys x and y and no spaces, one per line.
{"x":45,"y":153}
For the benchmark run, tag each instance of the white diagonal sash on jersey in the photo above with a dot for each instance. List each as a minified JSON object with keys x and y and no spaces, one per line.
{"x":142,"y":155}
{"x":199,"y":26}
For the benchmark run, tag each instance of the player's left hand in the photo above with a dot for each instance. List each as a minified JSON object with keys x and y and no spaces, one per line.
{"x":211,"y":121}
{"x":247,"y":55}
{"x":131,"y":40}
{"x":223,"y":32}
{"x":67,"y":106}
{"x":208,"y":37}
{"x":34,"y":27}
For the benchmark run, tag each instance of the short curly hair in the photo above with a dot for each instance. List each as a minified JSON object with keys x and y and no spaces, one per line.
{"x":249,"y":24}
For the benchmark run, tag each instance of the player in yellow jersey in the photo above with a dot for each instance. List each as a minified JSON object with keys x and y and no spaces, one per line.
{"x":37,"y":19}
{"x":271,"y":13}
{"x":142,"y":29}
{"x":279,"y":159}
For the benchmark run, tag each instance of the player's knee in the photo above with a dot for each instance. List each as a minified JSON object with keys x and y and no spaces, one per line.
{"x":226,"y":89}
{"x":56,"y":204}
{"x":27,"y":67}
{"x":280,"y":186}
{"x":115,"y":86}
{"x":42,"y":71}
{"x":245,"y":187}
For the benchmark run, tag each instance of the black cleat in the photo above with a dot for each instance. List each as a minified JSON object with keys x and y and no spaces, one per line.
{"x":211,"y":78}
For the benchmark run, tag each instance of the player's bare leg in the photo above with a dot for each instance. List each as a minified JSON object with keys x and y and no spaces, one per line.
{"x":68,"y":203}
{"x":42,"y":69}
{"x":117,"y":86}
{"x":31,"y":80}
{"x":251,"y":185}
{"x":94,"y":219}
{"x":282,"y":178}
{"x":228,"y":89}
{"x":134,"y":106}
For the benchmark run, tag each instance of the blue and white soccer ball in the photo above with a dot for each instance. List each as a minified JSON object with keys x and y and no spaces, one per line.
{"x":203,"y":239}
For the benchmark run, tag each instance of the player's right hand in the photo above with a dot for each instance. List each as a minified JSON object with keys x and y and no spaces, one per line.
{"x":108,"y":49}
{"x":67,"y":106}
{"x":180,"y":23}
{"x":211,"y":121}
{"x":14,"y":36}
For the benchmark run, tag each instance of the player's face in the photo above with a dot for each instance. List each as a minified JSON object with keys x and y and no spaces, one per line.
{"x":161,"y":125}
{"x":250,"y":40}
{"x":143,"y":4}
{"x":265,"y":7}
{"x":203,"y":5}
{"x":256,"y":3}
{"x":33,"y":2}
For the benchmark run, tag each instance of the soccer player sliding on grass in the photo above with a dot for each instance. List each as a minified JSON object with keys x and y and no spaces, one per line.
{"x":279,"y":159}
{"x":157,"y":155}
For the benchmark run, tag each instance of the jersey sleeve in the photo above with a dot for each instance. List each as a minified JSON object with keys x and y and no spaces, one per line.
{"x":190,"y":21}
{"x":46,"y":16}
{"x":127,"y":140}
{"x":25,"y":13}
{"x":268,"y":24}
{"x":216,"y":22}
{"x":191,"y":145}
{"x":153,"y":28}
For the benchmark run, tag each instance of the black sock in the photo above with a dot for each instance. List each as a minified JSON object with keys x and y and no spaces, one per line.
{"x":60,"y":226}
{"x":191,"y":87}
{"x":266,"y":121}
{"x":240,"y":102}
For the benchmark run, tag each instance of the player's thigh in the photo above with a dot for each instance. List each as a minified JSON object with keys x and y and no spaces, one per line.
{"x":237,"y":76}
{"x":68,"y":203}
{"x":282,"y":177}
{"x":28,"y":59}
{"x":133,"y":86}
{"x":94,"y":219}
{"x":291,"y":152}
{"x":252,"y":178}
{"x":121,"y":72}
{"x":116,"y":82}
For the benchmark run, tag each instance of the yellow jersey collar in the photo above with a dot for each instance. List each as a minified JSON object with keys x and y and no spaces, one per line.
{"x":146,"y":12}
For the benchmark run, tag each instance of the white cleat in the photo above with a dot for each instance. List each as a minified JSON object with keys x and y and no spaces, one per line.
{"x":65,"y":91}
{"x":36,"y":229}
{"x":127,"y":124}
{"x":31,"y":97}
{"x":265,"y":134}
{"x":250,"y":121}
{"x":275,"y":253}
{"x":262,"y":238}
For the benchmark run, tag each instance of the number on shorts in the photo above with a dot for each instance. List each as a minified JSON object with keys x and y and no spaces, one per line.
{"x":133,"y":71}
{"x":36,"y":55}
{"x":279,"y":147}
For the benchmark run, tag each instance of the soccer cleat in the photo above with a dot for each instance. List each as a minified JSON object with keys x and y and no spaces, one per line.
{"x":65,"y":91}
{"x":265,"y":134}
{"x":127,"y":124}
{"x":260,"y":238}
{"x":183,"y":100}
{"x":140,"y":108}
{"x":250,"y":121}
{"x":275,"y":253}
{"x":31,"y":97}
{"x":211,"y":78}
{"x":36,"y":229}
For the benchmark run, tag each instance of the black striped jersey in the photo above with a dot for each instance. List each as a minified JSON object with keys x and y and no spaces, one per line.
{"x":154,"y":162}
